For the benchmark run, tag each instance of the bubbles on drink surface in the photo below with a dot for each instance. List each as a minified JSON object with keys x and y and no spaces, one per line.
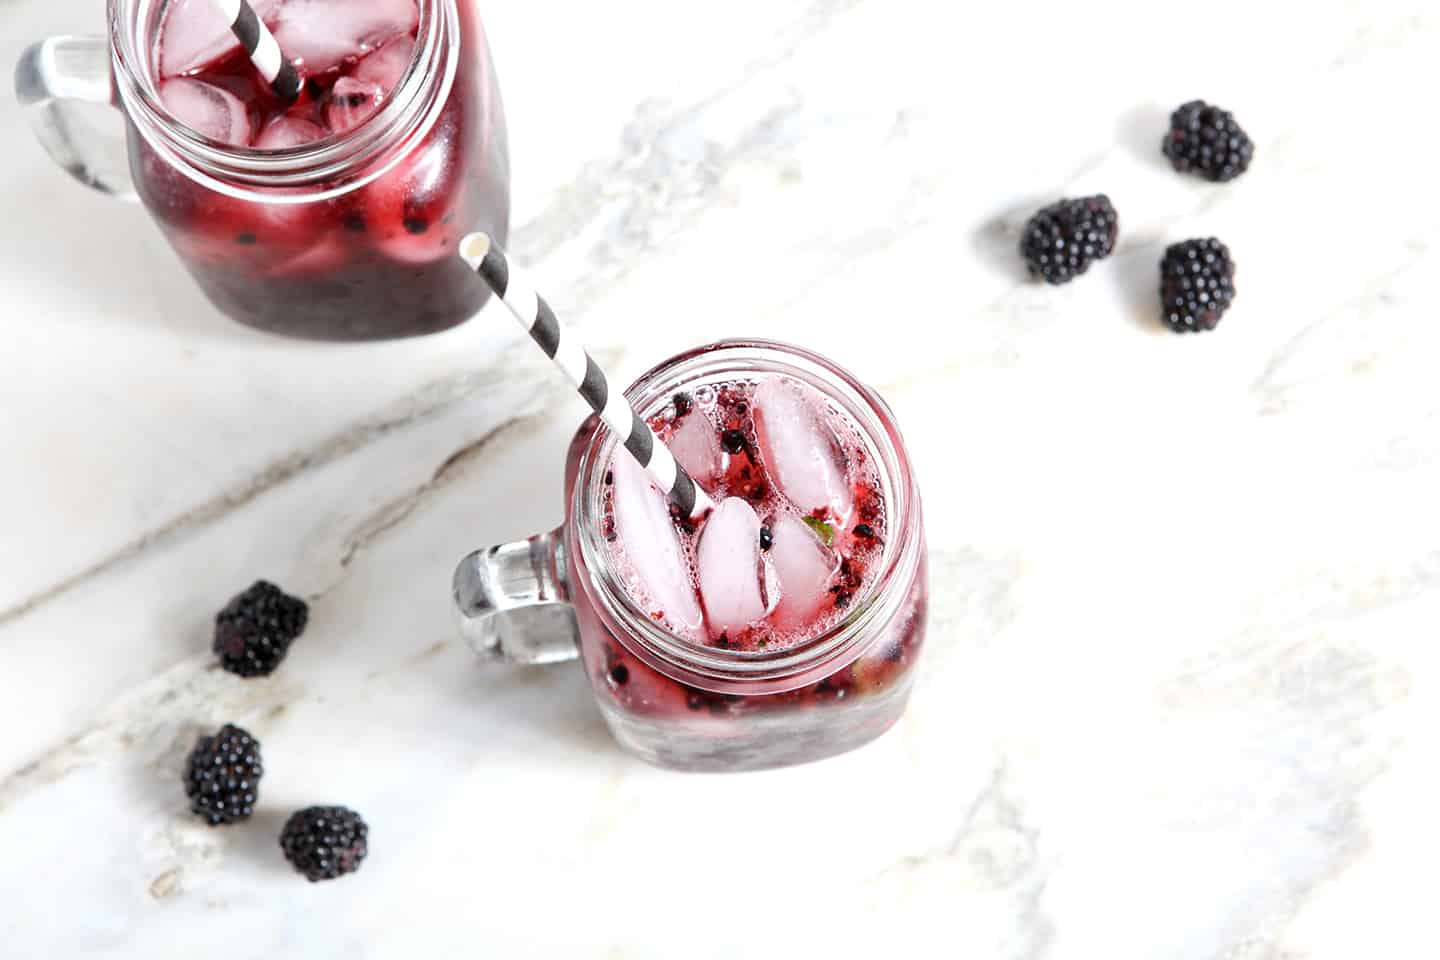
{"x":800,"y":522}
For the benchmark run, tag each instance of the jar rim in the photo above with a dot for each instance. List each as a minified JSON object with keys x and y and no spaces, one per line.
{"x":732,"y":670}
{"x":345,"y":161}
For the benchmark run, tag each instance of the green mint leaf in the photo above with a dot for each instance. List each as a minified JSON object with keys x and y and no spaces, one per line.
{"x":823,"y":530}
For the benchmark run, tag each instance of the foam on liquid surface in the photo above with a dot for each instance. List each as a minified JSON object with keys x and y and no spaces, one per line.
{"x":798,"y":586}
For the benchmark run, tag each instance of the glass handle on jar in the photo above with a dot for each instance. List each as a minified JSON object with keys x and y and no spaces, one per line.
{"x":55,"y":80}
{"x":514,"y":603}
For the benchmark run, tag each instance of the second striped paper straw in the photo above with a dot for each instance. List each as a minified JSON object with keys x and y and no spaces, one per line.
{"x":260,"y":47}
{"x":570,"y":356}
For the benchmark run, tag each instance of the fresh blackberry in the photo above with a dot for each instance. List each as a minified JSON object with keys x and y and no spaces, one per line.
{"x":325,"y":842}
{"x":254,"y":631}
{"x":1062,"y":240}
{"x":1197,"y":284}
{"x":733,"y":441}
{"x":222,"y":776}
{"x":1207,"y":140}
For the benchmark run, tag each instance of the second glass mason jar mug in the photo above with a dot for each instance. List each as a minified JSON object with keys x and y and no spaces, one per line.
{"x":350,"y":237}
{"x":691,"y":707}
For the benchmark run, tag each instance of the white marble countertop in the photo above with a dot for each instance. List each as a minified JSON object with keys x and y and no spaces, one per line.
{"x":1181,"y":687}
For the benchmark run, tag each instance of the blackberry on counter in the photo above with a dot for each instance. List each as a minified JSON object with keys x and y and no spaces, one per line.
{"x":1197,"y":284}
{"x":1062,"y":240}
{"x":222,"y":776}
{"x":254,"y":631}
{"x":1206,"y":140}
{"x":325,"y":842}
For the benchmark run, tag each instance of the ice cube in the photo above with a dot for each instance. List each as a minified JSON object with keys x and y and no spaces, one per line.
{"x":696,"y":446}
{"x":803,"y":567}
{"x":386,"y":66}
{"x":285,"y":132}
{"x":322,"y":33}
{"x":195,"y":34}
{"x":215,"y":113}
{"x":728,"y":560}
{"x":350,"y":103}
{"x":801,"y":451}
{"x":411,"y":209}
{"x":652,"y":544}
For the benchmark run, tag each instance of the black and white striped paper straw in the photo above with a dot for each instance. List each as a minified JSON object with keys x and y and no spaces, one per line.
{"x":570,"y":356}
{"x":260,"y":46}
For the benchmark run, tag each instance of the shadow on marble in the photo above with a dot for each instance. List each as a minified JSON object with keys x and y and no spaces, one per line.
{"x":170,"y":842}
{"x":116,"y":265}
{"x":258,"y":843}
{"x":445,"y":691}
{"x":543,"y":714}
{"x":155,"y":766}
{"x":1135,"y":271}
{"x":1141,"y":130}
{"x":997,"y":239}
{"x":553,"y":703}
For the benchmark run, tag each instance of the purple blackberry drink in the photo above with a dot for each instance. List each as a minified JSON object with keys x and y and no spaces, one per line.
{"x":799,"y":526}
{"x":783,"y":627}
{"x":334,"y":216}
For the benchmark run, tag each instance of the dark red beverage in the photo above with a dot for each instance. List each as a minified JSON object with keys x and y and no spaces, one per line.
{"x":783,"y":625}
{"x":786,"y":624}
{"x":334,"y":216}
{"x":792,"y":558}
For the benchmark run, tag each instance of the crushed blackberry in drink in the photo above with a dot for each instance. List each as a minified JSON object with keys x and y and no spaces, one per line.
{"x":798,"y":529}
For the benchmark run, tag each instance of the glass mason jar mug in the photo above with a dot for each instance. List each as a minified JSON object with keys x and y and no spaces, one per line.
{"x":346,"y":237}
{"x":691,"y":706}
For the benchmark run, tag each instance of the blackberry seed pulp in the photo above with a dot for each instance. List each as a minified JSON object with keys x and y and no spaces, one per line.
{"x":371,"y":261}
